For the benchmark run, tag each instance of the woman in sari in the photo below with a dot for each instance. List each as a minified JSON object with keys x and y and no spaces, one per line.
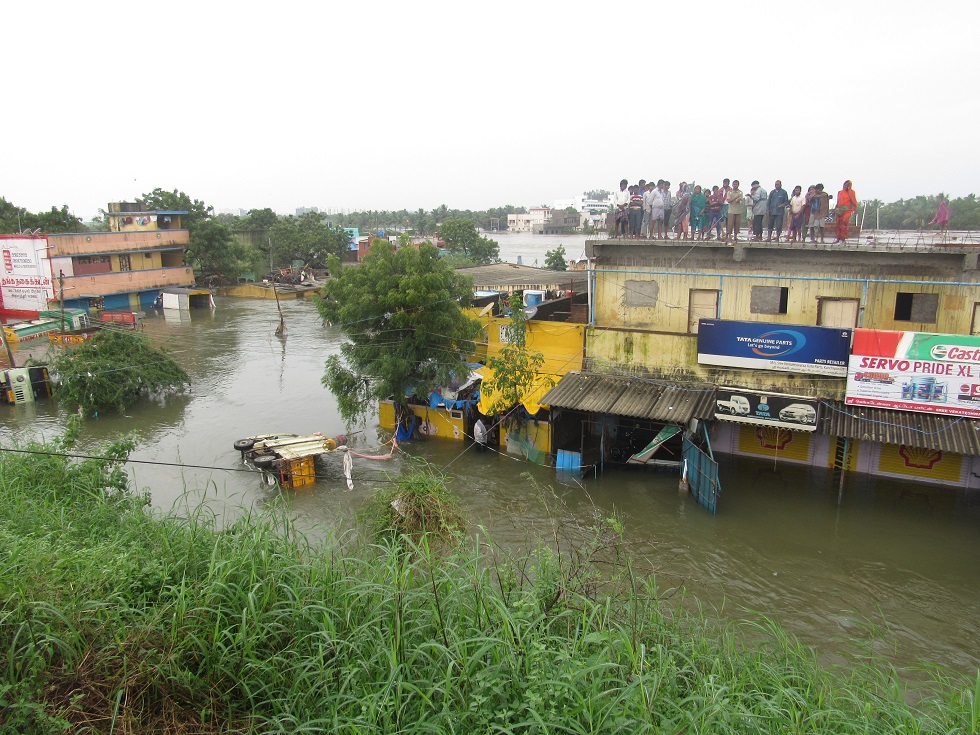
{"x":699,"y":206}
{"x":847,"y":204}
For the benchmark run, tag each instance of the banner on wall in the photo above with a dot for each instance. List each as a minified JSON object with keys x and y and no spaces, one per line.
{"x":25,"y":281}
{"x":915,"y":371}
{"x":767,"y":409}
{"x":764,"y":346}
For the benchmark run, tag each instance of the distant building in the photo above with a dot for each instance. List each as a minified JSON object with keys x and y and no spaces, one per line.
{"x":531,"y":221}
{"x":589,"y":209}
{"x":300,"y":211}
{"x":560,"y":221}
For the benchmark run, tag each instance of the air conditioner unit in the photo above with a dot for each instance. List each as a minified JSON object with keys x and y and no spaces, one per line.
{"x":20,"y":385}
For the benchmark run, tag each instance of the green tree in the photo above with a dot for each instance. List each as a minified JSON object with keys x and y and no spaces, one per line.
{"x":597,"y":194}
{"x":113,"y":370}
{"x":964,"y":213}
{"x":212,"y":249}
{"x":14,"y":219}
{"x":461,"y":237}
{"x":401,"y":312}
{"x":555,"y":259}
{"x":215,"y":251}
{"x":421,"y":222}
{"x":514,"y":366}
{"x":260,"y":219}
{"x":58,"y":220}
{"x":308,"y":238}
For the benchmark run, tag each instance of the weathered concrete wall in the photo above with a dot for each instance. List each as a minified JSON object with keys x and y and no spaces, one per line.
{"x":675,"y":357}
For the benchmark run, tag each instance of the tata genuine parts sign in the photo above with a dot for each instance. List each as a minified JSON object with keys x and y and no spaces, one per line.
{"x":25,"y":282}
{"x":769,"y":409}
{"x":915,"y":371}
{"x":787,"y":348}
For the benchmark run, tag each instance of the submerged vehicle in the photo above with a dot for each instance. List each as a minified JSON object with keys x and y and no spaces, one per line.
{"x":289,"y":458}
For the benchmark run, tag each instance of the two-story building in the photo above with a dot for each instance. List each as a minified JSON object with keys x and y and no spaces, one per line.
{"x":125,"y":268}
{"x":775,"y":351}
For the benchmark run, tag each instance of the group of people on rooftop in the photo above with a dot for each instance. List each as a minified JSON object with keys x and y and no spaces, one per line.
{"x":649,"y":211}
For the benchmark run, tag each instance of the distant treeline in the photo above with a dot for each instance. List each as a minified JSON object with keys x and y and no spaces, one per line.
{"x":918,"y":212}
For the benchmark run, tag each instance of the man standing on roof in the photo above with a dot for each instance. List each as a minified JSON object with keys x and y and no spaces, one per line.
{"x":778,"y":199}
{"x":759,"y":202}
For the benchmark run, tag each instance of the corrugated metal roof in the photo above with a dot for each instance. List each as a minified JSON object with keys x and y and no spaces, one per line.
{"x":925,"y":430}
{"x":512,"y":275}
{"x":621,"y":395}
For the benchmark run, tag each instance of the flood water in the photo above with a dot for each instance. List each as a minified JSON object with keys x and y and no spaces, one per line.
{"x":881,"y":567}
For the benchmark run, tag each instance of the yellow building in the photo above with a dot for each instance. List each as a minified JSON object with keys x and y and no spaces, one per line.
{"x":650,"y":300}
{"x":561,"y":345}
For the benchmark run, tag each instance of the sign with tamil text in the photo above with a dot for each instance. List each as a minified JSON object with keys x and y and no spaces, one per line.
{"x":788,"y":348}
{"x":25,"y":281}
{"x":915,"y":371}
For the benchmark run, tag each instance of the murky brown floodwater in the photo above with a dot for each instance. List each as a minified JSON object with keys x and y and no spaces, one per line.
{"x":889,"y":567}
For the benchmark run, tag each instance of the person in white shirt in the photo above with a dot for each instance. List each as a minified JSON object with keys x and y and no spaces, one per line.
{"x":797,"y":214}
{"x":621,"y":209}
{"x":480,"y":435}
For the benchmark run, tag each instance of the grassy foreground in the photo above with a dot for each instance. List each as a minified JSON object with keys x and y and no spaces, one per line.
{"x":115,"y":622}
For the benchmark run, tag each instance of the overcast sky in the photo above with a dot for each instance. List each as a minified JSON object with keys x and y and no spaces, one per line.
{"x":382,"y":105}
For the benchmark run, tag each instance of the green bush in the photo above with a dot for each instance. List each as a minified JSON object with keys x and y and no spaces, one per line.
{"x":112,"y":620}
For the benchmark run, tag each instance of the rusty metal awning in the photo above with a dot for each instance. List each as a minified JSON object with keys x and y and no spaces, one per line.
{"x":624,"y":395}
{"x":926,"y":430}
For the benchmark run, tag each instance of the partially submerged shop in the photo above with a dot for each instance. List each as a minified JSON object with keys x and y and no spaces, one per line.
{"x":910,"y":411}
{"x":602,"y":421}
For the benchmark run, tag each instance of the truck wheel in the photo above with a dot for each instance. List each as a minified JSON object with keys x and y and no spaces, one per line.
{"x":264,"y":461}
{"x":244,"y":444}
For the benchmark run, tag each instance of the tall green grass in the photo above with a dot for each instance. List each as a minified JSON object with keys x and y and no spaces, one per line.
{"x":113,"y":621}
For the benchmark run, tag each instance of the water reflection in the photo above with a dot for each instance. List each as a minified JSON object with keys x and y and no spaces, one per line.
{"x":883,"y":566}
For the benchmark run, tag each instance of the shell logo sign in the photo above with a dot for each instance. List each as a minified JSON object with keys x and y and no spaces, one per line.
{"x":770,"y":441}
{"x":925,"y":464}
{"x":770,"y":438}
{"x":923,"y":459}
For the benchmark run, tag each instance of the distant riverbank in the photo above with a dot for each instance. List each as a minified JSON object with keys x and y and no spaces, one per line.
{"x":529,"y":249}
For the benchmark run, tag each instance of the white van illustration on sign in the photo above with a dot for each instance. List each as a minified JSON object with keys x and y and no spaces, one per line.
{"x":735,"y":405}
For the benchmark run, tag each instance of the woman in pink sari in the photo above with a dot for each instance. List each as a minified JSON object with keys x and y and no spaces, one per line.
{"x":942,"y":216}
{"x":847,"y":204}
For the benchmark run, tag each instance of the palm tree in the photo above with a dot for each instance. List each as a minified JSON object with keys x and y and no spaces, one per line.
{"x":871,"y":206}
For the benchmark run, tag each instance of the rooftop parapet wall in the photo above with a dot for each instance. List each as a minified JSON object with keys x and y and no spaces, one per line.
{"x":938,"y":262}
{"x":116,"y":242}
{"x":104,"y":284}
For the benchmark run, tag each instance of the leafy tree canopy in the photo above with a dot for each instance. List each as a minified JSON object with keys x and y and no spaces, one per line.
{"x":461,"y":236}
{"x":598,"y":194}
{"x":212,"y":248}
{"x":308,"y":238}
{"x":113,"y":370}
{"x":555,"y":259}
{"x":401,"y":312}
{"x":14,"y":219}
{"x":514,"y":366}
{"x":260,"y":219}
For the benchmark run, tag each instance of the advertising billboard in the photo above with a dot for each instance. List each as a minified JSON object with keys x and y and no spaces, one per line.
{"x":25,"y":281}
{"x":768,"y":409}
{"x":787,"y":348}
{"x":915,"y":371}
